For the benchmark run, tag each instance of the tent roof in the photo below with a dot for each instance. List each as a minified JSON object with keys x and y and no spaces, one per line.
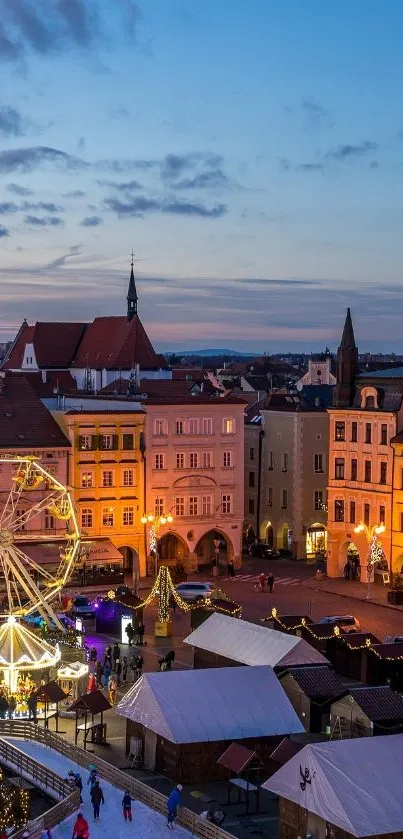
{"x":353,"y":784}
{"x":251,"y":644}
{"x":197,"y":706}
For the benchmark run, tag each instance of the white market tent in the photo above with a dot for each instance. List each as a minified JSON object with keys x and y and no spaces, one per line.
{"x":198,"y":706}
{"x":353,"y":784}
{"x":250,"y":644}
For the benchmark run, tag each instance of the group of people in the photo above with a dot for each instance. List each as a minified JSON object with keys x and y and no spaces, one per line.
{"x":352,"y":568}
{"x":114,"y":669}
{"x":137,"y":631}
{"x":81,"y":828}
{"x":7,"y":706}
{"x":261,"y":584}
{"x":167,"y":661}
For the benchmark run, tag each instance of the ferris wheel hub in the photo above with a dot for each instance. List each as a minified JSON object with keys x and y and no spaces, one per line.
{"x":6,"y":538}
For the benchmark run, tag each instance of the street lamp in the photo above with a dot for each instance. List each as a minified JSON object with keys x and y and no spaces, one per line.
{"x":155,"y":523}
{"x":375,"y":549}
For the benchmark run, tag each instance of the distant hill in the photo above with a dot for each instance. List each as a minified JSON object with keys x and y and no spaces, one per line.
{"x":214,"y":352}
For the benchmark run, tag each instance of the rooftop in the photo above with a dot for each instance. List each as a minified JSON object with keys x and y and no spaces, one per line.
{"x":317,"y":682}
{"x":388,"y":373}
{"x":379,"y":703}
{"x":25,"y":423}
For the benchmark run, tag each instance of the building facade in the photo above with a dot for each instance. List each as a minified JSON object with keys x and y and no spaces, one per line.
{"x":294,"y":476}
{"x":252,"y":474}
{"x":195,"y":473}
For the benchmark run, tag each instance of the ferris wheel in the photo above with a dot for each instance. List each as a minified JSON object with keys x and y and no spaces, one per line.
{"x":27,"y":585}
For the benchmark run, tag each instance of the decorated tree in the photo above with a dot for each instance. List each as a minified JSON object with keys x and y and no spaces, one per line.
{"x":14,"y":804}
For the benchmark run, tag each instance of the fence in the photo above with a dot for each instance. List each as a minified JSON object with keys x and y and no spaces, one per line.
{"x":153,"y":799}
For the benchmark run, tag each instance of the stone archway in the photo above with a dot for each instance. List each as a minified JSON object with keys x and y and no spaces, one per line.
{"x":131,"y":560}
{"x":316,"y":540}
{"x":172,"y":549}
{"x":267,"y":532}
{"x":349,"y":553}
{"x":283,"y":537}
{"x":206,"y":550}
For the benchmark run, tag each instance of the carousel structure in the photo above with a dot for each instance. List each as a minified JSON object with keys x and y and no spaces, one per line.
{"x":22,"y":652}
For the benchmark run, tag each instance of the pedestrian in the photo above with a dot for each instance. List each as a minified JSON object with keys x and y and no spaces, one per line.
{"x":141,"y":631}
{"x":32,"y":705}
{"x":130,"y":633}
{"x":92,"y":684}
{"x":99,"y":672}
{"x":75,"y":779}
{"x":108,"y":656}
{"x":107,"y":673}
{"x":12,"y":704}
{"x":270,"y":581}
{"x":174,"y":801}
{"x":115,"y":654}
{"x":262,"y":580}
{"x":127,"y":806}
{"x":112,"y":690}
{"x":81,"y":829}
{"x":4,"y":707}
{"x":118,"y":671}
{"x":93,"y":775}
{"x":97,"y":798}
{"x":139,"y":666}
{"x":132,"y":665}
{"x":230,"y":569}
{"x":124,"y":669}
{"x":347,"y":570}
{"x":169,"y":659}
{"x":93,"y":655}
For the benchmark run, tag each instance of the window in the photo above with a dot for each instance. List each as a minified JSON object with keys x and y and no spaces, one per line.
{"x":193,"y":505}
{"x":193,"y":426}
{"x":284,"y":462}
{"x":227,"y":458}
{"x":370,"y":402}
{"x":352,"y":512}
{"x":179,"y":427}
{"x":226,"y":504}
{"x":107,"y":478}
{"x":86,"y":517}
{"x":193,"y":460}
{"x":207,"y":460}
{"x":251,"y":480}
{"x":251,"y":506}
{"x":128,"y":477}
{"x":270,"y":497}
{"x":128,"y":516}
{"x":87,"y":479}
{"x":159,"y":461}
{"x":49,"y":521}
{"x":354,"y":432}
{"x":180,"y":460}
{"x":318,"y":463}
{"x":366,"y":514}
{"x":381,"y":514}
{"x":384,"y":473}
{"x":108,"y":516}
{"x":339,"y":468}
{"x":340,"y":431}
{"x":20,"y":524}
{"x":318,"y":499}
{"x":85,"y":442}
{"x":368,"y":432}
{"x":271,"y":461}
{"x":228,"y":425}
{"x":180,"y":505}
{"x":206,"y":505}
{"x":128,"y":442}
{"x":354,"y":469}
{"x":284,"y":499}
{"x":160,"y":427}
{"x":159,"y":506}
{"x":207,"y":425}
{"x":339,"y":510}
{"x":367,"y":471}
{"x":384,"y":434}
{"x":107,"y":441}
{"x":251,"y":454}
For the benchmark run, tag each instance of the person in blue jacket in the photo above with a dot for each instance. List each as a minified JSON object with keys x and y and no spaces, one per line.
{"x":174,"y":801}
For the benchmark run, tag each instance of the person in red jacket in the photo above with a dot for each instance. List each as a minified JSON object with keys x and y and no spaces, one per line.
{"x":81,"y":829}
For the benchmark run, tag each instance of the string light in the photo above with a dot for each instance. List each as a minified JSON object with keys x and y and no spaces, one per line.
{"x":14,"y":805}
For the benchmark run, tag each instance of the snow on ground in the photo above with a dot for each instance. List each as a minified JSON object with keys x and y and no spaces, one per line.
{"x":146,"y":823}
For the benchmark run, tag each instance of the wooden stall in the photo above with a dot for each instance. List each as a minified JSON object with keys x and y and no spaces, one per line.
{"x":288,"y":623}
{"x":367,"y":711}
{"x":311,"y":691}
{"x":384,"y":665}
{"x":51,"y":694}
{"x":322,"y":637}
{"x":91,"y":705}
{"x":349,"y":653}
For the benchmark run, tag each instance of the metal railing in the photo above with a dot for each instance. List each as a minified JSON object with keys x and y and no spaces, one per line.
{"x":151,"y":798}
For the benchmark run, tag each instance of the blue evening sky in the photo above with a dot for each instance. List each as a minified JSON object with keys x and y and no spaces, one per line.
{"x":250,"y":152}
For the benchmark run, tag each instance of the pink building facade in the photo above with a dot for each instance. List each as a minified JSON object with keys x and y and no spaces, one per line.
{"x":195,"y":473}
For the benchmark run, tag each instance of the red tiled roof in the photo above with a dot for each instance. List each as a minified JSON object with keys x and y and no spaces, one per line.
{"x":111,"y":343}
{"x":25,"y":423}
{"x":57,"y":379}
{"x":55,"y":344}
{"x":152,"y":387}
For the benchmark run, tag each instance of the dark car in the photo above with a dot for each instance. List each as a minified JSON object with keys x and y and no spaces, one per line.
{"x":121,"y":591}
{"x":263,"y":551}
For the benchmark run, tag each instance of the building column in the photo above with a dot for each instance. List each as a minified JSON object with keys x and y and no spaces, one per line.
{"x":334,"y":559}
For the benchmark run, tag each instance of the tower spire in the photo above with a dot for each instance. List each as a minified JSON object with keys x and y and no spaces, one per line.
{"x":131,"y":293}
{"x":347,"y":365}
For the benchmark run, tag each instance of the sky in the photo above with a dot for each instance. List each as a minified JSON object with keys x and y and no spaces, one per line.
{"x":250,"y":153}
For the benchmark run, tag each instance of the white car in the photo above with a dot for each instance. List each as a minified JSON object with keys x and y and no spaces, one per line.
{"x":190,"y":592}
{"x":346,"y":622}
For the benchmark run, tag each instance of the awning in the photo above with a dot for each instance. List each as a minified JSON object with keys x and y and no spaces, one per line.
{"x":98,"y":552}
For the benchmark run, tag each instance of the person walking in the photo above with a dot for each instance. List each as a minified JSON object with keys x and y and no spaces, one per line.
{"x":118,"y":671}
{"x":139,"y":666}
{"x":93,"y":776}
{"x":12,"y":704}
{"x":99,"y":672}
{"x":132,"y":665}
{"x":108,"y":655}
{"x":81,"y":829}
{"x":270,"y":581}
{"x":115,"y":654}
{"x":169,"y":659}
{"x":230,"y":569}
{"x":112,"y":690}
{"x":127,"y":806}
{"x":124,"y":669}
{"x":4,"y":706}
{"x":262,"y":580}
{"x":97,"y":798}
{"x":75,"y":779}
{"x":32,"y":705}
{"x":107,"y":673}
{"x":130,"y":633}
{"x":174,"y":801}
{"x":141,"y":631}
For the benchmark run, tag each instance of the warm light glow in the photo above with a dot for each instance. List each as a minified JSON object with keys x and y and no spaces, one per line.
{"x":150,"y":517}
{"x":11,"y":620}
{"x":170,"y":519}
{"x":163,"y":520}
{"x":380,"y":529}
{"x":144,"y":519}
{"x":359,"y":528}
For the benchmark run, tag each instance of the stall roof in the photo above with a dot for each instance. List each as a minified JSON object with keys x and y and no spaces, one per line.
{"x":353,"y":784}
{"x":198,"y":706}
{"x":317,"y":682}
{"x":251,"y":644}
{"x":379,"y":702}
{"x":93,"y":703}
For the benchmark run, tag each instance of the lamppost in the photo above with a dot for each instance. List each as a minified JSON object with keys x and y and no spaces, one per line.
{"x":155,"y":523}
{"x":375,"y":548}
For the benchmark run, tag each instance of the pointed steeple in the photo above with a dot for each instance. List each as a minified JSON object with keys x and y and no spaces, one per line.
{"x":131,"y":294}
{"x":347,"y":366}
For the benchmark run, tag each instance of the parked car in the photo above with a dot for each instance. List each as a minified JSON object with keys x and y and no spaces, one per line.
{"x":82,"y":607}
{"x":346,"y":622}
{"x":263,"y":551}
{"x":36,"y":619}
{"x":194,"y":591}
{"x":121,"y":591}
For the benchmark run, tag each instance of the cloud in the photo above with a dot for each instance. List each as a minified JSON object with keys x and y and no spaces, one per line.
{"x":12,"y":123}
{"x":39,"y":221}
{"x":76,"y":193}
{"x":123,"y":186}
{"x":118,"y":112}
{"x":3,"y":232}
{"x":34,"y":157}
{"x":81,"y":144}
{"x":350,"y":151}
{"x":213,"y":179}
{"x":310,"y":167}
{"x":16,"y":189}
{"x":315,"y":113}
{"x":74,"y":250}
{"x":91,"y":221}
{"x":45,"y":206}
{"x":8,"y":207}
{"x":141,"y":205}
{"x":341,"y":154}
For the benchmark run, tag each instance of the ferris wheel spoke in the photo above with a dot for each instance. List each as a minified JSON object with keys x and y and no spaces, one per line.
{"x":21,"y":520}
{"x":31,"y":564}
{"x":34,"y":595}
{"x":11,"y":501}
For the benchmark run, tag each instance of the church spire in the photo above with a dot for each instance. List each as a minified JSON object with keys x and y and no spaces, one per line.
{"x":347,"y":338}
{"x":347,"y":366}
{"x":131,"y":294}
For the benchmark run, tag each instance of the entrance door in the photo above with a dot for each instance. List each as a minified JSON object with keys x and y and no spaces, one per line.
{"x":150,"y":748}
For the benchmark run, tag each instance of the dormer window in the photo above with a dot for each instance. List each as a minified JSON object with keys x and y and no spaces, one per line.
{"x":369,"y":398}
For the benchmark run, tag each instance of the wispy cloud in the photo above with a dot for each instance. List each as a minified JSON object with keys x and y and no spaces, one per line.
{"x":141,"y":205}
{"x":16,"y":189}
{"x":40,"y":221}
{"x":316,"y":114}
{"x":8,"y":207}
{"x":351,"y":151}
{"x":76,"y":193}
{"x":344,"y":153}
{"x":45,"y":206}
{"x":3,"y":232}
{"x":60,"y":262}
{"x":12,"y":122}
{"x":35,"y":157}
{"x":122,"y":186}
{"x":91,"y":221}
